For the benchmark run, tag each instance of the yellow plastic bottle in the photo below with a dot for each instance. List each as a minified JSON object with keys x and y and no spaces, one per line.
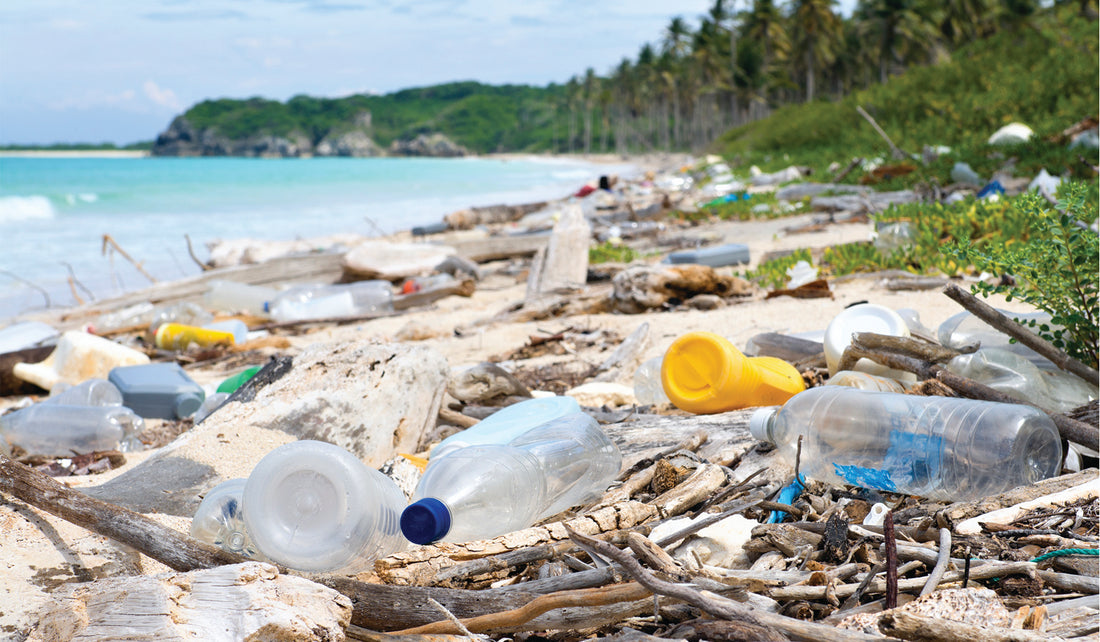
{"x":175,"y":336}
{"x":704,"y":373}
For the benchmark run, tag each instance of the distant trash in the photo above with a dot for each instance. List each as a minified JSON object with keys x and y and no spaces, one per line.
{"x":714,"y":256}
{"x":1011,"y":134}
{"x":78,"y":356}
{"x":158,"y":390}
{"x":1045,"y":184}
{"x":962,"y":173}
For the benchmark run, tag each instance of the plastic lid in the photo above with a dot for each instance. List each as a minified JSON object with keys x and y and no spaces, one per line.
{"x":188,"y":404}
{"x":758,"y":423}
{"x":425,"y":521}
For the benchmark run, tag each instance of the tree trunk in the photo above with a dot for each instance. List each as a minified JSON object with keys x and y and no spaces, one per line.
{"x":809,"y":74}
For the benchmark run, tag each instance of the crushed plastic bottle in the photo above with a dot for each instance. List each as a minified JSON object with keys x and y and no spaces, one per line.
{"x":219,"y":520}
{"x":800,"y":274}
{"x":485,"y":491}
{"x":232,"y":296}
{"x":704,"y":373}
{"x":1019,"y":378}
{"x":209,"y":405}
{"x":313,"y":506}
{"x":964,"y":329}
{"x":937,"y":447}
{"x":56,"y":430}
{"x":648,"y":389}
{"x":508,"y":423}
{"x":332,"y":301}
{"x":93,"y":392}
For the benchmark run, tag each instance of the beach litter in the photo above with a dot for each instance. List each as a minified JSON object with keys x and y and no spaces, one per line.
{"x":650,"y":497}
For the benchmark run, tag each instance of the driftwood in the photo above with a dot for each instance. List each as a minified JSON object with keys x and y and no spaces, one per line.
{"x":987,"y":313}
{"x":920,"y":628}
{"x":495,"y":248}
{"x":898,"y":154}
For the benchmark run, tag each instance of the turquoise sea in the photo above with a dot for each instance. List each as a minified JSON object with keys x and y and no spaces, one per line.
{"x":55,"y":211}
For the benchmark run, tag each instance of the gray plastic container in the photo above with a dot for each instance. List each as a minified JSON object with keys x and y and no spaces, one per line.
{"x":158,"y":390}
{"x":715,"y":256}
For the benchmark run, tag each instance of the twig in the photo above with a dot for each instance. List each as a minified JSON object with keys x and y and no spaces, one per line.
{"x":711,"y":604}
{"x":451,"y":616}
{"x":700,"y":524}
{"x":515,"y":618}
{"x":854,"y":598}
{"x":966,"y":568}
{"x":109,"y":241}
{"x":191,"y":253}
{"x":45,"y":295}
{"x":907,"y":347}
{"x":898,"y":154}
{"x":891,"y":561}
{"x":726,"y":493}
{"x":990,"y":315}
{"x":847,"y":170}
{"x":173,"y":549}
{"x":73,"y":280}
{"x":941,"y":563}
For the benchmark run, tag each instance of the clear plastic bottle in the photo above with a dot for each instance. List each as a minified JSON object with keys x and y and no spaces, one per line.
{"x":965,"y":329}
{"x":332,"y":301}
{"x":648,"y":389}
{"x":508,"y":423}
{"x":865,"y":381}
{"x":59,"y":431}
{"x":232,"y":296}
{"x":133,"y":316}
{"x":93,"y":392}
{"x":484,"y":491}
{"x":184,"y":313}
{"x":235,"y":327}
{"x":936,"y":447}
{"x":1018,"y":377}
{"x":313,"y":506}
{"x":219,"y":520}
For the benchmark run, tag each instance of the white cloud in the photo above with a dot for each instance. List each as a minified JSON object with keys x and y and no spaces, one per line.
{"x":163,"y":97}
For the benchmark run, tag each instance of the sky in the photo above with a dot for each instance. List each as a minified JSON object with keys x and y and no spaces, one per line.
{"x":118,"y":71}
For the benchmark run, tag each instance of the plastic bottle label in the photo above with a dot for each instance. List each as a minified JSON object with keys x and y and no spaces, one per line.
{"x":911,"y":462}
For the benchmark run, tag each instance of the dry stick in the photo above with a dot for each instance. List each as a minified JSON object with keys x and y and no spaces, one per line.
{"x":847,"y":170}
{"x":987,"y":313}
{"x":966,"y":568}
{"x":45,"y":295}
{"x":941,"y":563}
{"x":107,"y":240}
{"x":909,"y":626}
{"x":73,"y":280}
{"x":191,"y":253}
{"x":715,"y":606}
{"x":726,"y":493}
{"x":898,"y":154}
{"x":909,"y":347}
{"x":700,"y":524}
{"x":515,"y":618}
{"x":891,"y":560}
{"x":163,"y":544}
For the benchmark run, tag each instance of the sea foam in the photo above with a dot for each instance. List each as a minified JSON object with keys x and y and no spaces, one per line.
{"x":25,"y":208}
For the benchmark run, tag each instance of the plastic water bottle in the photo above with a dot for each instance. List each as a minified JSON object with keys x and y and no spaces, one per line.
{"x":232,"y":296}
{"x":648,"y":389}
{"x":219,"y":520}
{"x":704,"y":373}
{"x":332,"y":301}
{"x":508,"y":423}
{"x":313,"y":506}
{"x":184,"y":313}
{"x":1017,"y":377}
{"x":484,"y":491}
{"x":235,"y":327}
{"x":58,"y":431}
{"x":93,"y":392}
{"x":865,"y":381}
{"x":936,"y":447}
{"x":966,"y":329}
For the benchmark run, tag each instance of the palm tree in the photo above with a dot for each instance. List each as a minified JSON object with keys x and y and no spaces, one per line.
{"x":905,"y":29}
{"x":590,"y":88}
{"x":817,"y":28}
{"x":764,"y":24}
{"x":963,"y":20}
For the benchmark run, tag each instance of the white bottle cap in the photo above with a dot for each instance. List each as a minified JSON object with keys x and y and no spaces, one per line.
{"x":758,"y":423}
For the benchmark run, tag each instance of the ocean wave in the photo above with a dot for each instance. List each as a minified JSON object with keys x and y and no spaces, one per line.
{"x":84,"y":197}
{"x":25,"y":208}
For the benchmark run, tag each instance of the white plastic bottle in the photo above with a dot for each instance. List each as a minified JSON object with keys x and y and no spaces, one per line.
{"x":313,"y":506}
{"x":332,"y":301}
{"x":936,"y":447}
{"x":93,"y":392}
{"x":508,"y":423}
{"x":865,"y":381}
{"x":648,"y":389}
{"x":219,"y":520}
{"x":231,"y":296}
{"x":484,"y":491}
{"x":58,"y":430}
{"x":865,"y":317}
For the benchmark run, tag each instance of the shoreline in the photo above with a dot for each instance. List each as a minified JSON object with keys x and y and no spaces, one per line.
{"x":74,"y":153}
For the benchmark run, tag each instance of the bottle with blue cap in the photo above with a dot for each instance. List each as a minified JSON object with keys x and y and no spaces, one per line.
{"x":937,"y":447}
{"x":508,"y":423}
{"x":487,"y":490}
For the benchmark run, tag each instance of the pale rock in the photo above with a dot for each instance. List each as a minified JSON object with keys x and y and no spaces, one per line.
{"x":355,"y":143}
{"x":602,"y":393}
{"x":978,"y":607}
{"x":373,"y":400}
{"x":249,"y":601}
{"x":721,"y":544}
{"x":374,"y":259}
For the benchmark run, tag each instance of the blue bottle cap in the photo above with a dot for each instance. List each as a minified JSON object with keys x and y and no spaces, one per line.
{"x":425,"y":521}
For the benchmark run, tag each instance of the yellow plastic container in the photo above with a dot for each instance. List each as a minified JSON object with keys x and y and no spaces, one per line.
{"x":704,"y":373}
{"x":176,"y":336}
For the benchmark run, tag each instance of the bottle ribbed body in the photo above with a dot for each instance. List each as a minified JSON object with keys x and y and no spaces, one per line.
{"x":58,"y":430}
{"x":313,"y":506}
{"x":937,"y":447}
{"x":495,"y":489}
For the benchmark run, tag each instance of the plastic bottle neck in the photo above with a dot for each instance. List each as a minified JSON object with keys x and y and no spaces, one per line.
{"x":761,"y":422}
